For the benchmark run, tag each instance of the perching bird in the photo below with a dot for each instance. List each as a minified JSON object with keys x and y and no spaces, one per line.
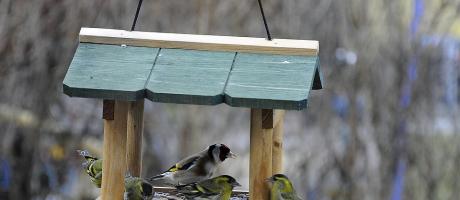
{"x":282,"y":188}
{"x":93,"y":167}
{"x":195,"y":168}
{"x":137,"y":189}
{"x":217,"y":188}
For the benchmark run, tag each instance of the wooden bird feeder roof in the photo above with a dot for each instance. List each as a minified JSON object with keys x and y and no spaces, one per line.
{"x":194,"y":69}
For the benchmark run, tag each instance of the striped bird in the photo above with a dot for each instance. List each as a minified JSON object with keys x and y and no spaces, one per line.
{"x":137,"y":189}
{"x":282,"y":188}
{"x":197,"y":167}
{"x":93,"y":167}
{"x":217,"y":188}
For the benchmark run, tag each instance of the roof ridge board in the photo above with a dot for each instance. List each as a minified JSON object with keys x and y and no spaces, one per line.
{"x":200,"y":42}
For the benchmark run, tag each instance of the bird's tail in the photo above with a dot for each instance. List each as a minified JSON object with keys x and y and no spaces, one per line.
{"x":155,"y":178}
{"x":189,"y":190}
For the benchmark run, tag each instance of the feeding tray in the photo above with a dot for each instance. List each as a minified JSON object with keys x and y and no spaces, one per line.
{"x":166,"y":193}
{"x":123,"y":68}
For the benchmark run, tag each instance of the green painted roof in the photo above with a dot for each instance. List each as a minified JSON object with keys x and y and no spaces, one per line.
{"x":192,"y":77}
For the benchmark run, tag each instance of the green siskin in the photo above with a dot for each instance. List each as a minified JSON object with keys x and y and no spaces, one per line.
{"x":137,"y":189}
{"x":217,"y":188}
{"x":282,"y":188}
{"x":93,"y":167}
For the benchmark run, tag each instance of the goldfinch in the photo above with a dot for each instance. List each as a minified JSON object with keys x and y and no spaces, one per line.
{"x":137,"y":189}
{"x":282,"y":188}
{"x":93,"y":167}
{"x":194,"y":168}
{"x":217,"y":188}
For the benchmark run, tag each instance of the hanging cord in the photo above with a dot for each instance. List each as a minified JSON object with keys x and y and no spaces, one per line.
{"x":269,"y":37}
{"x":137,"y":15}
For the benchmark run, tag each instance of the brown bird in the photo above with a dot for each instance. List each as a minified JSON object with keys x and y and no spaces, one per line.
{"x":195,"y":168}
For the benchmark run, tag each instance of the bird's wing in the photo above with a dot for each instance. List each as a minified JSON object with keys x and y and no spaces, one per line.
{"x":209,"y":187}
{"x":189,"y":190}
{"x":98,"y":165}
{"x":94,"y":168}
{"x":97,"y":180}
{"x":290,"y":196}
{"x":184,"y":164}
{"x":98,"y":176}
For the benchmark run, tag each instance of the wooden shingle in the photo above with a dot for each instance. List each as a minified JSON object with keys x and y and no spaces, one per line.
{"x":271,"y":75}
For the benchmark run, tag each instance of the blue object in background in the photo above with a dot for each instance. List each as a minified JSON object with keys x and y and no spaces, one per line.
{"x":419,"y":9}
{"x":398,"y":185}
{"x":340,"y":104}
{"x":311,"y":194}
{"x":398,"y":180}
{"x":50,"y":171}
{"x":72,"y":177}
{"x":5,"y":175}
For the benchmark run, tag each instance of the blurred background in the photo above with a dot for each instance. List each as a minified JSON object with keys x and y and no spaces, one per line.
{"x":386,"y":125}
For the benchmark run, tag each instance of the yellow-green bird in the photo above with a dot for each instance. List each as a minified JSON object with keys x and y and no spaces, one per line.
{"x":282,"y":188}
{"x":93,"y":167}
{"x":217,"y":188}
{"x":137,"y":189}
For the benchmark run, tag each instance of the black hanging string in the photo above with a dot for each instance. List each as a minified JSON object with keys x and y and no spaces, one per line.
{"x":137,"y":15}
{"x":269,"y":37}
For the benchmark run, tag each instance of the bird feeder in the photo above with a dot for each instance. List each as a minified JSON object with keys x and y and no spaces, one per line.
{"x":125,"y":67}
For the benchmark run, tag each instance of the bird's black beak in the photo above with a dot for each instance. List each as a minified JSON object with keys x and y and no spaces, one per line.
{"x":236,"y":184}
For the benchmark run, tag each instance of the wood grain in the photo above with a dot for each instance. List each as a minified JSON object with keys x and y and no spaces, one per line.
{"x":277,"y":149}
{"x":260,"y":160}
{"x":114,"y":154}
{"x":200,"y":42}
{"x":135,"y":130}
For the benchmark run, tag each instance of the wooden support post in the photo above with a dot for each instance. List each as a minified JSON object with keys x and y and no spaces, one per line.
{"x":134,"y":137}
{"x":114,"y":154}
{"x":277,"y":151}
{"x":260,"y":161}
